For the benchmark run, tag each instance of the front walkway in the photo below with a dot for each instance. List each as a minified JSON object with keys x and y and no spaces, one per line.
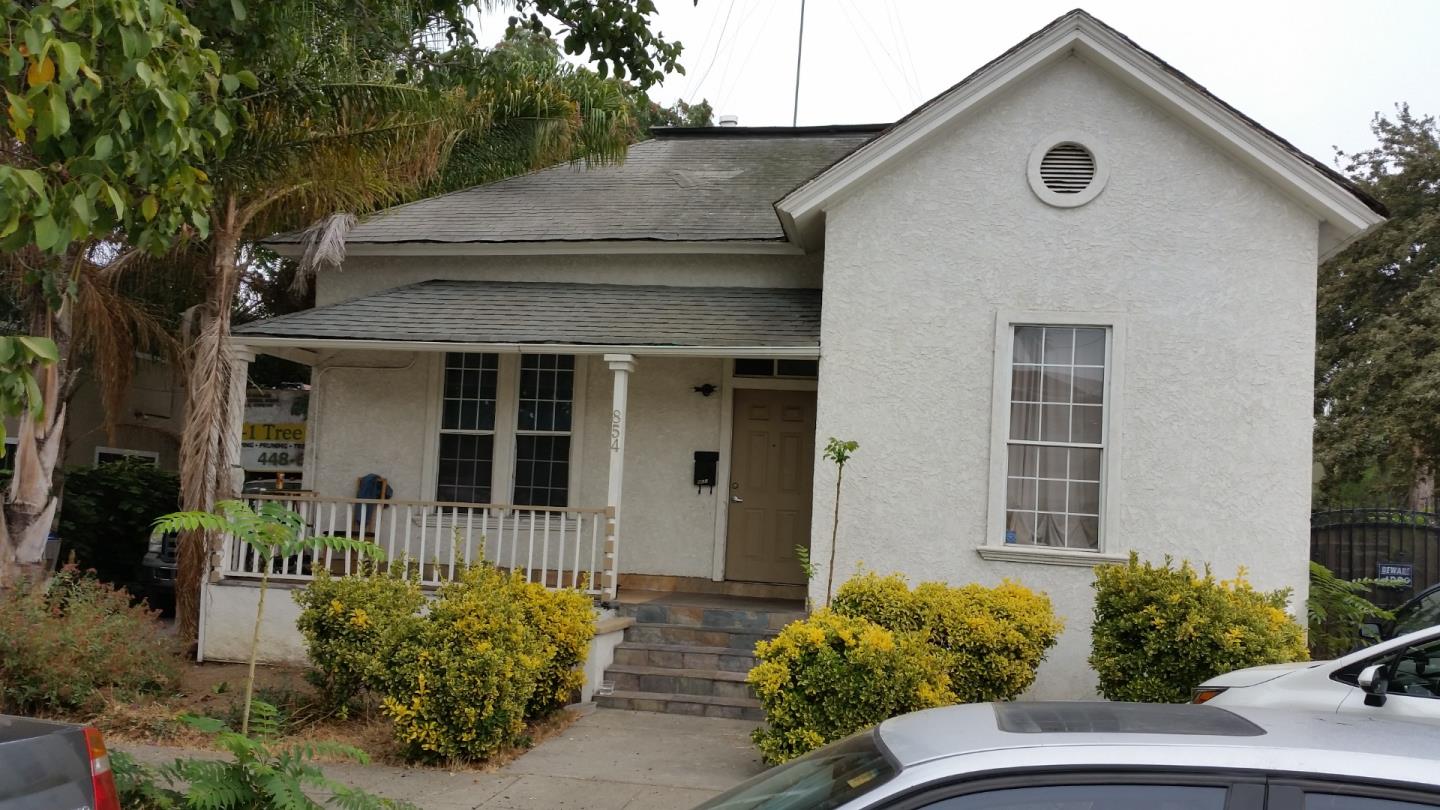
{"x":607,"y":760}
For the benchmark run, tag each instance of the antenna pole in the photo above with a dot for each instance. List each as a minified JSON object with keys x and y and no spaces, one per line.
{"x":799,"y":51}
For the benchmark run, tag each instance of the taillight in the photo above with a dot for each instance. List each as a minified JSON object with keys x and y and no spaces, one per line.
{"x":157,"y":543}
{"x":103,"y":781}
{"x":1205,"y":695}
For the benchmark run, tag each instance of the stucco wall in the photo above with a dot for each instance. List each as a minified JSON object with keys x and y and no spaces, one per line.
{"x":361,"y":275}
{"x":1213,"y":272}
{"x":373,"y":412}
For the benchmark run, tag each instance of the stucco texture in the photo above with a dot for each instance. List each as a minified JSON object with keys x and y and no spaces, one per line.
{"x":1213,"y":274}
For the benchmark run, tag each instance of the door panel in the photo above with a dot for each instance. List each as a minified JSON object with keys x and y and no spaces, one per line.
{"x":773,"y":472}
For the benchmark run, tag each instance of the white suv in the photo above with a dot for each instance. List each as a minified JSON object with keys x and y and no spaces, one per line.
{"x":1399,"y":679}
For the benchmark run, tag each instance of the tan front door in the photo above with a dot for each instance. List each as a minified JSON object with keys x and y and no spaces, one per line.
{"x":771,"y":472}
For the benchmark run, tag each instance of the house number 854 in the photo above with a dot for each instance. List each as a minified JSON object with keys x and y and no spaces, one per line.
{"x":615,"y":418}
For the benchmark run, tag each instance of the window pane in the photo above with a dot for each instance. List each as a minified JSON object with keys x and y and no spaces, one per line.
{"x":1059,"y":344}
{"x":1027,"y":344}
{"x":1089,"y":385}
{"x":1101,"y":797}
{"x":1025,"y":384}
{"x":1051,"y":496}
{"x":544,"y":384}
{"x":1335,"y":801}
{"x":1084,"y":533}
{"x":470,"y":383}
{"x":1020,"y":493}
{"x":1052,"y":461}
{"x":1055,"y":423}
{"x":1049,"y":529}
{"x":751,"y":367}
{"x":1089,"y":347}
{"x":797,"y":368}
{"x":1084,"y":499}
{"x":1056,"y":386}
{"x":1085,"y":465}
{"x":1025,"y":422}
{"x":1020,"y":528}
{"x":1085,"y":424}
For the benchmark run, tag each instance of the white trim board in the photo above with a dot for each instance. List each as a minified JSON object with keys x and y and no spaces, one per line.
{"x":1344,"y":216}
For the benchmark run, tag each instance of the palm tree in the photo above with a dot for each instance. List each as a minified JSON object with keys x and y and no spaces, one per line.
{"x":320,"y":156}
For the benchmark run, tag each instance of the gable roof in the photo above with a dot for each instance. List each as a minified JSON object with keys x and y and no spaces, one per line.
{"x":1346,"y":210}
{"x":711,"y":184}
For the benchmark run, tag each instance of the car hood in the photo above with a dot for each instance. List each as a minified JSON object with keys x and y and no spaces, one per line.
{"x":1258,"y":675}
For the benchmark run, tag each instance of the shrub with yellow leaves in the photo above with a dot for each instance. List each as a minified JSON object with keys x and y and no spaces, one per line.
{"x":351,"y":624}
{"x":1160,"y":631}
{"x":831,"y":675}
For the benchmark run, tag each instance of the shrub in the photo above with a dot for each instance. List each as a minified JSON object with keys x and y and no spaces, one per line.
{"x":463,"y":684}
{"x":351,"y":625}
{"x":566,"y":623}
{"x":107,"y":513}
{"x":63,"y":646}
{"x":831,"y":675}
{"x":1160,"y":631}
{"x":1336,"y":609}
{"x":990,"y":640}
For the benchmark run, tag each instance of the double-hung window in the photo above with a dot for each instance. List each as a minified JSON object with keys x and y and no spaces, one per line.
{"x":497,"y":419}
{"x":542,"y":431}
{"x":1055,"y":446}
{"x":467,"y":428}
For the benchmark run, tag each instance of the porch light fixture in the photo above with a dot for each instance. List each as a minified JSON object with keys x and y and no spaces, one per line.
{"x":705,"y":390}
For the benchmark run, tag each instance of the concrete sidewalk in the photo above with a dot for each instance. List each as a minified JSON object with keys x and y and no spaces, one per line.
{"x":607,"y":760}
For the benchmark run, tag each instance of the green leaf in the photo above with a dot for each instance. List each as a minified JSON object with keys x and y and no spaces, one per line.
{"x":248,"y":79}
{"x":222,"y":123}
{"x":231,"y":82}
{"x":47,"y":233}
{"x":237,"y":7}
{"x":59,"y":113}
{"x":81,"y":206}
{"x":104,"y":145}
{"x":116,"y":201}
{"x":43,"y":348}
{"x":149,"y":207}
{"x":71,"y":58}
{"x":32,"y":179}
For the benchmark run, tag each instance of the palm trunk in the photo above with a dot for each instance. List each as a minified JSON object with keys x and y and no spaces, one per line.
{"x":204,"y":472}
{"x":30,"y":505}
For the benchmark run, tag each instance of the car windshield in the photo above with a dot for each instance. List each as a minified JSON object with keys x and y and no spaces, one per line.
{"x":819,"y":780}
{"x":1418,"y":615}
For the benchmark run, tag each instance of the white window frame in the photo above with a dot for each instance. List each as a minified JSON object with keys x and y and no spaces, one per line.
{"x":1111,"y":548}
{"x":507,"y":400}
{"x":441,"y":430}
{"x":151,"y":455}
{"x":517,"y":432}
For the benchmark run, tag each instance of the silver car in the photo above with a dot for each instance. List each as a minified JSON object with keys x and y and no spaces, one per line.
{"x":1110,"y":756}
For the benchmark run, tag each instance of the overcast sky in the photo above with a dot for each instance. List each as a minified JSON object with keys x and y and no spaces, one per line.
{"x":1314,"y":71}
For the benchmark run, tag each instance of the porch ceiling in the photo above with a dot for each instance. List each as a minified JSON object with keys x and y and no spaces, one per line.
{"x":549,"y":314}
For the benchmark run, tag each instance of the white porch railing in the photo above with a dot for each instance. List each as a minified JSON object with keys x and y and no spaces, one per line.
{"x":559,"y":547}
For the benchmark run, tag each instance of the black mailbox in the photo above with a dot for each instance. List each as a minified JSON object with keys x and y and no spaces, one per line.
{"x":706,"y":462}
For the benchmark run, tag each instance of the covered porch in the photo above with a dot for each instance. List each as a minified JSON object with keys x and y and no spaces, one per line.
{"x":581,"y":435}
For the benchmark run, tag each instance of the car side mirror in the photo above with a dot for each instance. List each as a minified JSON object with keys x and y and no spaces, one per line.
{"x":1374,"y":684}
{"x":1370,"y":632}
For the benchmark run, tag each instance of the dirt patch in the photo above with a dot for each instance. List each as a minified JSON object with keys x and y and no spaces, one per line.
{"x":218,"y":690}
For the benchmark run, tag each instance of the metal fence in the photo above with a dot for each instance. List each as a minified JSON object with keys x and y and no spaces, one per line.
{"x":1370,"y":542}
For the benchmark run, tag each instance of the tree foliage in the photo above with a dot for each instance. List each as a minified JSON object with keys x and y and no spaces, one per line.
{"x":1377,"y":375}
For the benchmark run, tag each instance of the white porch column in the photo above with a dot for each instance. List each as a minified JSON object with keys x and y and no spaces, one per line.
{"x":622,"y":365}
{"x":240,"y":359}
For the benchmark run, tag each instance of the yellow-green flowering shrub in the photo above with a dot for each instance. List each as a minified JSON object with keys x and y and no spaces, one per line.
{"x":1160,"y":630}
{"x":990,"y":640}
{"x":830,"y":675}
{"x":351,"y":625}
{"x":566,"y":623}
{"x":491,"y":653}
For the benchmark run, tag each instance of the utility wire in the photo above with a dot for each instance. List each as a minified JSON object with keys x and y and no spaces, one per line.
{"x":709,"y":30}
{"x":725,"y":88}
{"x":719,"y":44}
{"x":865,"y":46}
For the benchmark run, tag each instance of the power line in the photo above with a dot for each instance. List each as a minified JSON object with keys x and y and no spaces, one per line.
{"x":906,"y":55}
{"x":725,"y":87}
{"x":719,"y":43}
{"x":845,"y":8}
{"x":799,"y":53}
{"x":705,"y":43}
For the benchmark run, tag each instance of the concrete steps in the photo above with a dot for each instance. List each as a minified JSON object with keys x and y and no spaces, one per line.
{"x":690,"y":654}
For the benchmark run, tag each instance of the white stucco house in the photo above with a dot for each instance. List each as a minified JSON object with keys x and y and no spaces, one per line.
{"x":1066,"y":308}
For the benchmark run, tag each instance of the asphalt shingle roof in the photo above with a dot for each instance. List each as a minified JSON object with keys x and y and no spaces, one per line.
{"x":709,"y":184}
{"x":582,"y":314}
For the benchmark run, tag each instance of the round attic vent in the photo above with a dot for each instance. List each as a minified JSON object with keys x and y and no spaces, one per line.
{"x":1066,"y":170}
